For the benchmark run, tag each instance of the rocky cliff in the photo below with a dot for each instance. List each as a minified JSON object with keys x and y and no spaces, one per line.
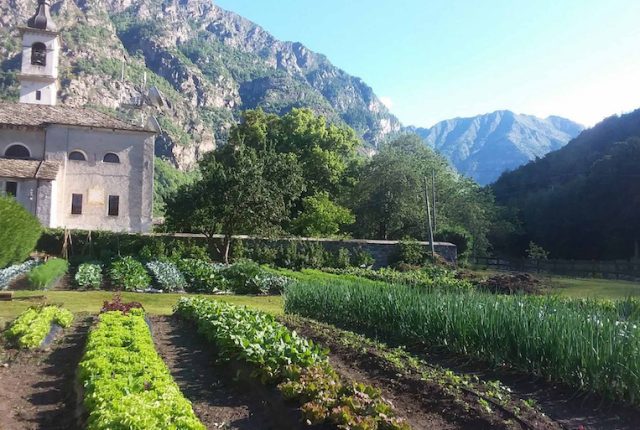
{"x":209,"y":63}
{"x":485,"y":146}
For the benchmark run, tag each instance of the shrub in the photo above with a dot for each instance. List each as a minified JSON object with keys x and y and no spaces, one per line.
{"x":12,"y":272}
{"x":43,"y":276}
{"x":31,"y":328}
{"x":342,"y":259}
{"x":202,"y":276}
{"x":410,"y":251}
{"x":264,"y":254}
{"x":89,"y":275}
{"x":167,"y":276}
{"x":363,"y":258}
{"x":459,"y":237}
{"x":129,"y":274}
{"x":247,"y":277}
{"x":19,"y":232}
{"x":126,"y":383}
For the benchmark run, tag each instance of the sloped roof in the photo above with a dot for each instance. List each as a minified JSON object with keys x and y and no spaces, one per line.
{"x":22,"y":114}
{"x":28,"y":169}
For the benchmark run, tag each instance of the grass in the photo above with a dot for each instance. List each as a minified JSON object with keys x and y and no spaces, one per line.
{"x":594,"y":288}
{"x":91,"y":302}
{"x":581,"y":287}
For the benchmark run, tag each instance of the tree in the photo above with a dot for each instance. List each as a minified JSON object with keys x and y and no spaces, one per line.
{"x":321,"y":217}
{"x":389,"y":200}
{"x":242,"y":190}
{"x":326,"y":152}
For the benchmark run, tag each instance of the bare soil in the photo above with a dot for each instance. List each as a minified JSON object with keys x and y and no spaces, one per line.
{"x":223,"y":395}
{"x":37,"y":387}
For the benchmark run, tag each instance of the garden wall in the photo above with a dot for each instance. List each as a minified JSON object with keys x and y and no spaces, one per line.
{"x":103,"y":245}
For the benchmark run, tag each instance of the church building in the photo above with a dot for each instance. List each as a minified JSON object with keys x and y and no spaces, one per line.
{"x":74,"y":168}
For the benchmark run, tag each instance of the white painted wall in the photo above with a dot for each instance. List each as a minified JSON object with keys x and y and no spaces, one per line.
{"x":131,"y":179}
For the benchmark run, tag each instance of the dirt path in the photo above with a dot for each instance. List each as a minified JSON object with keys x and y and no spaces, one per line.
{"x":218,"y":400}
{"x":37,"y":388}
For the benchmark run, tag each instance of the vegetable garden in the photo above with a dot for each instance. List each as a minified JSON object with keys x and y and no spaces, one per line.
{"x":125,"y":371}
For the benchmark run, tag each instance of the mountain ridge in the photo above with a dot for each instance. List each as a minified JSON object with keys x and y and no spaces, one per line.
{"x":209,"y":63}
{"x":471,"y":143}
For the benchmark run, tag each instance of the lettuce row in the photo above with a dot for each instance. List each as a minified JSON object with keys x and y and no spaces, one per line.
{"x":32,"y":326}
{"x":126,"y":383}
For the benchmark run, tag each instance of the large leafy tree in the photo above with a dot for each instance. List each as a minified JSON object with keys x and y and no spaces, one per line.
{"x":321,"y":217}
{"x":326,"y":152}
{"x":389,"y":200}
{"x":243,"y":190}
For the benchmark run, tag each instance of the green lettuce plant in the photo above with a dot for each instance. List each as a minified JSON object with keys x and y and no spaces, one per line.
{"x":126,"y":383}
{"x":33,"y":325}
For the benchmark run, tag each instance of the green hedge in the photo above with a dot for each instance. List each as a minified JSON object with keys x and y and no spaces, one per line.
{"x":126,"y":383}
{"x":32,"y":326}
{"x":19,"y":232}
{"x":43,"y":276}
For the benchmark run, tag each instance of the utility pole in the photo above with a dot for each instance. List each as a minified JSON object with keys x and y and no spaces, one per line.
{"x":426,"y":195}
{"x":433,"y":190}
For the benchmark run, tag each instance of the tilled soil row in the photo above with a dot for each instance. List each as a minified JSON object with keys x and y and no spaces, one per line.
{"x":466,"y":409}
{"x":37,"y":387}
{"x":222,"y":395}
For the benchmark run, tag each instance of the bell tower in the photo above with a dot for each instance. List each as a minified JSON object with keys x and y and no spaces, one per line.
{"x":40,"y":54}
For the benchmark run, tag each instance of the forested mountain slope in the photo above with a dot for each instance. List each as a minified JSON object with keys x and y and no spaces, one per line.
{"x":582,"y":201}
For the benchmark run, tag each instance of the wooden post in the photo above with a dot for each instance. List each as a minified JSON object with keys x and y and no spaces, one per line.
{"x":433,"y":191}
{"x":426,"y":195}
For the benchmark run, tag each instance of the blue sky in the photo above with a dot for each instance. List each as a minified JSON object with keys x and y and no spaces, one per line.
{"x":434,"y":60}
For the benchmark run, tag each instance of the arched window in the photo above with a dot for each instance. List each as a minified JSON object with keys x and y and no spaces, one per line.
{"x":110,"y":157}
{"x":77,"y":156}
{"x":17,"y":151}
{"x":39,"y":54}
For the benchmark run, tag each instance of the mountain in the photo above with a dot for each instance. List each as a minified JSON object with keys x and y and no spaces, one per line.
{"x":581,"y":201}
{"x":484,"y":146}
{"x":209,"y":63}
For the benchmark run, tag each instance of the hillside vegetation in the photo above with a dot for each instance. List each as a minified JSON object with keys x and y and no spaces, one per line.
{"x":582,"y":201}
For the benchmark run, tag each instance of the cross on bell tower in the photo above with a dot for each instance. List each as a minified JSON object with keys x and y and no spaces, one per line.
{"x":40,"y":53}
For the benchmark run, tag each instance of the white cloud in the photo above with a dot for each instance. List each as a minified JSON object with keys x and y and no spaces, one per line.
{"x":385,"y":100}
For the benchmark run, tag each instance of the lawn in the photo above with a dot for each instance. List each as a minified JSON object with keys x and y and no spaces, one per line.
{"x":596,"y":288}
{"x":581,"y":287}
{"x":91,"y":301}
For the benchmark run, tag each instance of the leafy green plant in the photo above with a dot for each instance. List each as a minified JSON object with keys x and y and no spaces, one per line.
{"x":363,"y":258}
{"x":279,"y":355}
{"x":126,"y":383}
{"x":167,"y":276}
{"x":202,"y":276}
{"x":410,"y":252}
{"x":129,"y":274}
{"x":429,"y":278}
{"x":19,"y":232}
{"x":342,"y":258}
{"x":45,"y":275}
{"x":247,"y":277}
{"x":89,"y":275}
{"x":32,"y":326}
